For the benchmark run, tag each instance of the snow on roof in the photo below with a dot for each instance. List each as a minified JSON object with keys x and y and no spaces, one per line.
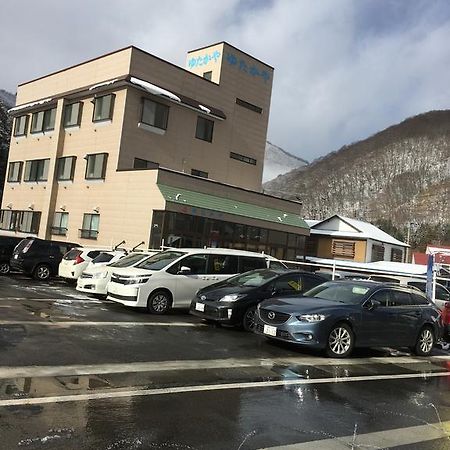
{"x":155,"y":90}
{"x":204,"y":108}
{"x":364,"y":230}
{"x":311,"y":222}
{"x":105,"y":83}
{"x":30,"y":105}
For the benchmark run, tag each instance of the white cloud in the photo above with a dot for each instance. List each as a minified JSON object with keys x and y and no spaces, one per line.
{"x":343,"y":69}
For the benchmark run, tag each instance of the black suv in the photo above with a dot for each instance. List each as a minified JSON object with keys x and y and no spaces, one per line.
{"x":38,"y":257}
{"x":7,"y":244}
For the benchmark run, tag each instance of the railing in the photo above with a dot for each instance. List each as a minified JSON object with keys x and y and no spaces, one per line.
{"x":60,"y":231}
{"x":88,"y":234}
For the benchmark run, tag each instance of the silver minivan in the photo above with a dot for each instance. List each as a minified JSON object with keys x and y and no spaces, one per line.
{"x":171,"y":278}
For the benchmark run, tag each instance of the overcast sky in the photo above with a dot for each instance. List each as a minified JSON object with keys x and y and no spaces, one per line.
{"x":344,"y":69}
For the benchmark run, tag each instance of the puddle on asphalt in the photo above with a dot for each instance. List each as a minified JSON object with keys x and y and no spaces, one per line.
{"x":79,"y":384}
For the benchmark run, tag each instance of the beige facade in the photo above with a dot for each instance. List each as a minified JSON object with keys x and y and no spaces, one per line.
{"x":208,"y":120}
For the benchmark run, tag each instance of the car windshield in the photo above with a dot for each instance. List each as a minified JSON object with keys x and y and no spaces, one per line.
{"x":129,"y":260}
{"x":351,"y":293}
{"x":160,"y":260}
{"x":255,"y":278}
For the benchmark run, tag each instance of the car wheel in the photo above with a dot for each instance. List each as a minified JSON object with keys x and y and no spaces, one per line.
{"x":425,"y":342}
{"x":248,"y":322}
{"x":4,"y":268}
{"x":340,"y":341}
{"x":42,"y":272}
{"x":159,"y":302}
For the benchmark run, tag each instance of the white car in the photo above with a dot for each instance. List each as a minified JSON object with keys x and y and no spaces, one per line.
{"x":75,"y":261}
{"x":94,"y":279}
{"x":172,"y":278}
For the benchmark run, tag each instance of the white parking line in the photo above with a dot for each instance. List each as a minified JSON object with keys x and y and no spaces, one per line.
{"x":64,"y":324}
{"x":210,"y":387}
{"x":230,"y":363}
{"x":377,"y":440}
{"x":61,"y":300}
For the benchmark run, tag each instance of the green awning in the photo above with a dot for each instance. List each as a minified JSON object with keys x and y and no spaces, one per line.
{"x":225,"y":205}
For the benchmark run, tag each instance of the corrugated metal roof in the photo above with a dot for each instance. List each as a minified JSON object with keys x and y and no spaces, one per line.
{"x":229,"y":206}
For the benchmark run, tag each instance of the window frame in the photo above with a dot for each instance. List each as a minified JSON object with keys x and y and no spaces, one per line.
{"x":340,"y":247}
{"x":89,"y":233}
{"x":43,"y":128}
{"x":158,"y":105}
{"x":37,"y":161}
{"x":111,"y":108}
{"x":209,"y":135}
{"x":243,"y":158}
{"x":19,"y":175}
{"x":72,"y":169}
{"x":80,"y":112}
{"x":105,"y":162}
{"x":59,"y":230}
{"x":199,"y":173}
{"x":16,"y":121}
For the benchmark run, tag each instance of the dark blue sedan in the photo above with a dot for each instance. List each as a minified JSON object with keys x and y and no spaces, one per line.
{"x":340,"y":315}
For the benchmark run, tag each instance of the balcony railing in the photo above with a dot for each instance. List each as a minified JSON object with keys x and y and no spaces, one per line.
{"x":88,"y":234}
{"x":60,"y":231}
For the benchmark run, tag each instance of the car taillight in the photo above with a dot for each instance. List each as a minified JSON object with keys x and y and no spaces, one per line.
{"x":79,"y":260}
{"x":446,"y":314}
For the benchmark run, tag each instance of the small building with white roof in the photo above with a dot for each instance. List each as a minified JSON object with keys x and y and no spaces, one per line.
{"x":344,"y":238}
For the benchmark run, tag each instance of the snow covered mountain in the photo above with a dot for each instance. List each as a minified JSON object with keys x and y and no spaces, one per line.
{"x":8,"y":99}
{"x":400,"y":175}
{"x":278,"y":162}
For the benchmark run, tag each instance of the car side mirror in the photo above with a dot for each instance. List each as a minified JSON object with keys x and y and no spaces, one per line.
{"x":184,"y":270}
{"x":372,"y":304}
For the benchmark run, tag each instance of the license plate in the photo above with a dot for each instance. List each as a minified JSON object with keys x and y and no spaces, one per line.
{"x":271,"y":331}
{"x":200,"y":307}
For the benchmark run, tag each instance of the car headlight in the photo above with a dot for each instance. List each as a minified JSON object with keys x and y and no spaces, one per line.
{"x":311,"y":317}
{"x":99,"y":275}
{"x":138,"y":280}
{"x":232,"y":297}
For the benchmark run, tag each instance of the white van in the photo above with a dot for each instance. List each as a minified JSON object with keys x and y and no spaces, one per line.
{"x":172,"y":278}
{"x":94,"y":280}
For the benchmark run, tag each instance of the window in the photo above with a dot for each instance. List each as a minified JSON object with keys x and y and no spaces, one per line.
{"x":248,"y":105}
{"x":207,"y":75}
{"x":247,"y":263}
{"x":65,"y":168}
{"x":36,"y":170}
{"x":21,"y":126}
{"x":29,"y":221}
{"x":139,"y":163}
{"x":7,"y":219}
{"x":199,"y":173}
{"x":43,"y":121}
{"x":196,"y":263}
{"x":60,"y":223}
{"x":103,"y":108}
{"x":396,"y":255}
{"x":96,"y":166}
{"x":343,"y":248}
{"x":90,"y":226}
{"x":155,"y":114}
{"x":204,"y":129}
{"x":384,"y":297}
{"x":377,"y":253}
{"x":15,"y":171}
{"x":400,"y":298}
{"x":223,"y":264}
{"x":289,"y":284}
{"x":72,"y":114}
{"x":243,"y":158}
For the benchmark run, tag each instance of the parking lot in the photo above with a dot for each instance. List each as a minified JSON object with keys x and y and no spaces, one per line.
{"x":77,"y":372}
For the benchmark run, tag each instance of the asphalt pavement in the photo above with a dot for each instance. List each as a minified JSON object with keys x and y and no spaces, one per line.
{"x":77,"y":372}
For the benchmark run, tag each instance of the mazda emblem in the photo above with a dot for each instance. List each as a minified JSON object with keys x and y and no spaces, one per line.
{"x":203,"y":297}
{"x":271,"y":315}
